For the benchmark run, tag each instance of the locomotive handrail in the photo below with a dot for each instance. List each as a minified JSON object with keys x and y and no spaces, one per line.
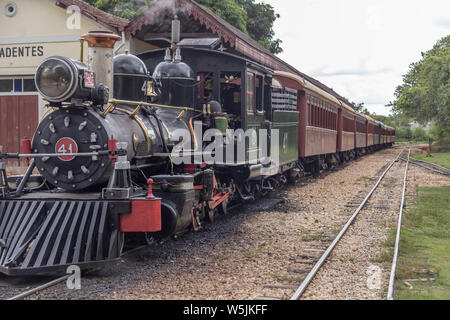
{"x":119,"y":152}
{"x":147,"y":104}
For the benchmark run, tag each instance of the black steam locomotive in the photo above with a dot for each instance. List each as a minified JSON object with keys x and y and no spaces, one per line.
{"x":106,"y":166}
{"x":142,"y":162}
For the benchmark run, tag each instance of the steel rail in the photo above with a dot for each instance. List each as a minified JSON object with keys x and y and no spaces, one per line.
{"x":390,"y":295}
{"x":39,"y":288}
{"x":64,"y":278}
{"x":431,"y":163}
{"x":425,"y":167}
{"x":304,"y":285}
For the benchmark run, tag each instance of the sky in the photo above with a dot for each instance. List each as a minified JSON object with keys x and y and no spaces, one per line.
{"x":360,"y":48}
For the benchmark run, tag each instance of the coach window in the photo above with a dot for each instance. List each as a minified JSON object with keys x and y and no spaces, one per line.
{"x":308,"y":109}
{"x":314,"y":112}
{"x":268,"y":97}
{"x":250,"y":93}
{"x":330,"y":121}
{"x":316,"y":115}
{"x":322,"y":115}
{"x":259,"y":86}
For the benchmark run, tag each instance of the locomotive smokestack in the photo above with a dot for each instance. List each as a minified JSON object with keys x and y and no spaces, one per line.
{"x":175,"y":35}
{"x":100,"y":56}
{"x":175,"y":30}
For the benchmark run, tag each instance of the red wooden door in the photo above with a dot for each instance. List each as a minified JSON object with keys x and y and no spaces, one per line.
{"x":18,"y":120}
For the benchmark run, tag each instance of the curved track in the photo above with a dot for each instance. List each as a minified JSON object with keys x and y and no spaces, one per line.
{"x":429,"y":166}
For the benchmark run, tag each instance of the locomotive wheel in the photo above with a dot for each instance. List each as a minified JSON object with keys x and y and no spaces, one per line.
{"x":256,"y":191}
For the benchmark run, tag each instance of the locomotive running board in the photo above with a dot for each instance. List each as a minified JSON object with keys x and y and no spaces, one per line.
{"x":46,"y":236}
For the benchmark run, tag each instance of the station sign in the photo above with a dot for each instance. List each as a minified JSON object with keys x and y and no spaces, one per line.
{"x":21,"y":51}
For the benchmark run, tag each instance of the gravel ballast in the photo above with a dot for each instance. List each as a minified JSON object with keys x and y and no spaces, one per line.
{"x":255,"y":253}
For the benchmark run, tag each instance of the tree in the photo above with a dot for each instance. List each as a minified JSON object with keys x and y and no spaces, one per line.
{"x":230,"y":11}
{"x":261,"y":17}
{"x":425,"y":92}
{"x":128,"y":9}
{"x":254,"y":19}
{"x":359,"y":107}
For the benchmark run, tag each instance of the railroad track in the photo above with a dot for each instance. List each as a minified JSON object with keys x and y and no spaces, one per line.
{"x":316,"y":257}
{"x":48,"y":284}
{"x":308,"y":257}
{"x":429,"y":166}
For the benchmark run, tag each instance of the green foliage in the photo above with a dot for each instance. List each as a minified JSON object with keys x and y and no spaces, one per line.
{"x":228,"y":10}
{"x":360,"y":107}
{"x":406,"y":133}
{"x":254,"y":19}
{"x":425,"y":93}
{"x":419,"y":134}
{"x":424,"y":244}
{"x":128,"y":9}
{"x":441,"y":158}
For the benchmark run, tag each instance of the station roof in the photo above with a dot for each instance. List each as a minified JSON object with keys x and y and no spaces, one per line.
{"x":154,"y":25}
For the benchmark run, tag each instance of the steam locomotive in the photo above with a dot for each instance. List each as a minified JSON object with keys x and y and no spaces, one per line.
{"x":104,"y":168}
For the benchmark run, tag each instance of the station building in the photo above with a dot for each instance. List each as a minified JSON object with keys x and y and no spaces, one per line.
{"x":30,"y":31}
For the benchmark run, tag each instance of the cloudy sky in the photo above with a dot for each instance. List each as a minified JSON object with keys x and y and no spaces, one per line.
{"x":360,"y":48}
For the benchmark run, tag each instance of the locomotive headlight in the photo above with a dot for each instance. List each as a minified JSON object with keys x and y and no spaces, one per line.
{"x":60,"y":79}
{"x":55,"y":79}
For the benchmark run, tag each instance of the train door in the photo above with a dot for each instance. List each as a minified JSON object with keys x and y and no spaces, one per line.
{"x":254,"y":99}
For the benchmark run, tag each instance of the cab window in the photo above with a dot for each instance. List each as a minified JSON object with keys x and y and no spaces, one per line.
{"x":250,"y":93}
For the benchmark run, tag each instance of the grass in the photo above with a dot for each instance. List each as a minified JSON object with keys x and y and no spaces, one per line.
{"x":442,"y":159}
{"x":425,"y":244}
{"x":404,"y":141}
